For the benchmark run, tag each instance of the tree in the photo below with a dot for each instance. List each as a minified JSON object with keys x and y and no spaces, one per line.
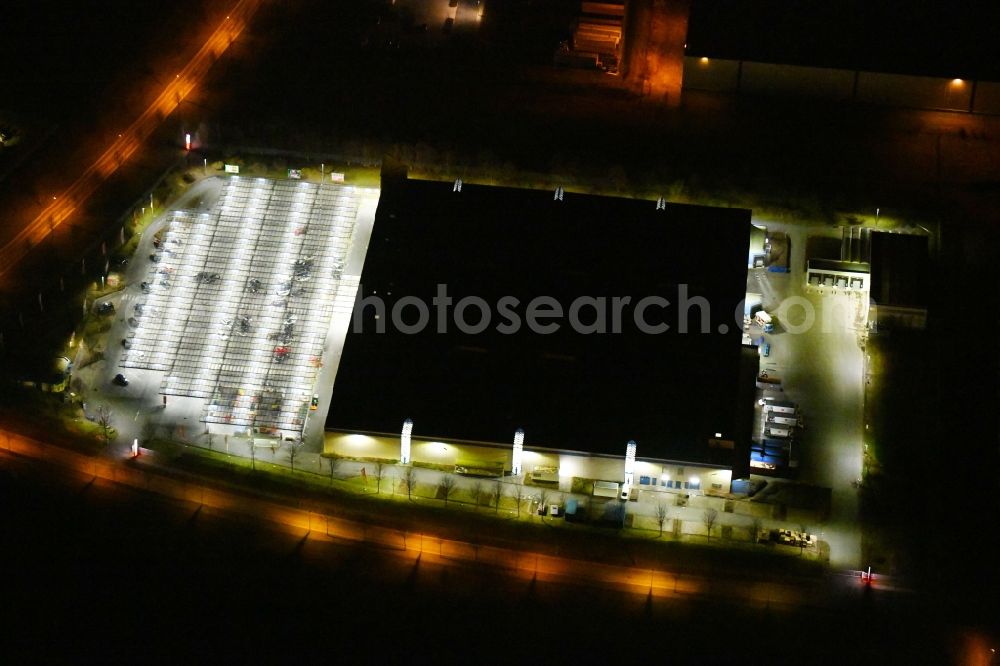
{"x":253,"y":441}
{"x":409,"y":476}
{"x":615,"y":512}
{"x":755,"y":528}
{"x":477,"y":493}
{"x":148,"y":430}
{"x":334,"y":464}
{"x":661,"y":515}
{"x":379,"y":473}
{"x":518,"y":497}
{"x":104,"y":418}
{"x":447,"y":487}
{"x":709,"y":518}
{"x":543,"y":498}
{"x":496,"y":495}
{"x":293,"y":452}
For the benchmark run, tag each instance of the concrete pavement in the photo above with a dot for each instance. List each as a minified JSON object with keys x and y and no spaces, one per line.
{"x":821,"y":369}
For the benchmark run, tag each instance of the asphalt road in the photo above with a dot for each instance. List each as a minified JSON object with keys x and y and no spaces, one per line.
{"x":116,"y":569}
{"x":66,"y":203}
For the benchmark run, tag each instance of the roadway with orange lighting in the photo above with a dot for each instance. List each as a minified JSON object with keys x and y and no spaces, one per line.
{"x":143,"y":474}
{"x":121,"y":149}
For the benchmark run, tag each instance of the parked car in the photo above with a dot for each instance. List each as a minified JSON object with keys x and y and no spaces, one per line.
{"x":105,"y":308}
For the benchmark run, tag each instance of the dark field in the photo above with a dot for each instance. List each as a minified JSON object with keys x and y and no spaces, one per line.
{"x":96,"y":573}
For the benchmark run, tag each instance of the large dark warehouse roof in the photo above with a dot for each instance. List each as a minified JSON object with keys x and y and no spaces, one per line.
{"x":670,"y":392}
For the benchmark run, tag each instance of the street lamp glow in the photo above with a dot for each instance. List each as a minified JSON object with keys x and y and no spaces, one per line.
{"x":515,"y":463}
{"x":404,"y":442}
{"x":629,"y":461}
{"x":187,"y":142}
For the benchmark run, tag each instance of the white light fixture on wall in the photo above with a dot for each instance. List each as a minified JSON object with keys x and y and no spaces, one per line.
{"x":404,"y":442}
{"x":515,"y":463}
{"x":629,"y":461}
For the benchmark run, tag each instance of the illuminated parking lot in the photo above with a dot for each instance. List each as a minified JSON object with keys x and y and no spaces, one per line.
{"x":238,"y":301}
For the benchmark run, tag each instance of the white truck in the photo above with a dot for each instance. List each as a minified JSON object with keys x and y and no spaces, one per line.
{"x":778,"y":406}
{"x":765,"y":321}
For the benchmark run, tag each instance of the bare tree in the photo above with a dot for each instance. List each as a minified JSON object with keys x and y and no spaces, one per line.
{"x":477,"y":493}
{"x":293,"y":451}
{"x":755,"y":527}
{"x":447,"y":487}
{"x":709,"y":518}
{"x":409,"y":477}
{"x":615,"y":510}
{"x":253,"y":441}
{"x":379,"y":473}
{"x":334,"y":464}
{"x":104,"y":418}
{"x":543,"y":498}
{"x":661,"y":515}
{"x":148,"y":430}
{"x":518,"y":497}
{"x":496,"y":495}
